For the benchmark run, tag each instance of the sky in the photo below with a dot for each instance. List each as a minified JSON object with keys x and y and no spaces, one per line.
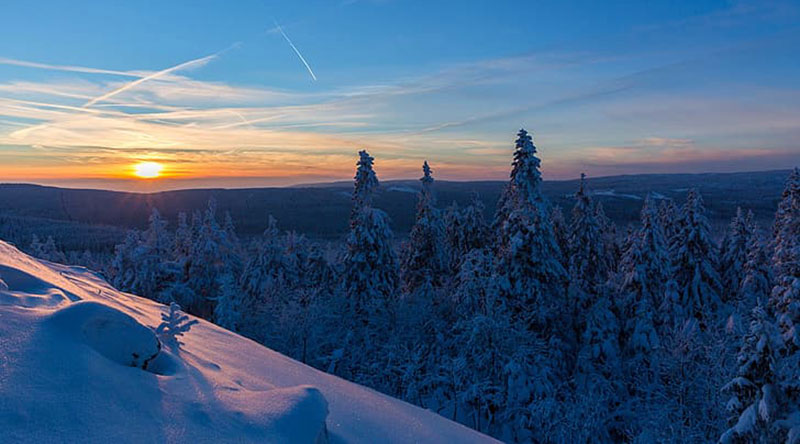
{"x":264,"y":93}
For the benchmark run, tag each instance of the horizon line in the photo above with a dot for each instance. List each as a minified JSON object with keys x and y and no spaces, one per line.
{"x":154,"y":182}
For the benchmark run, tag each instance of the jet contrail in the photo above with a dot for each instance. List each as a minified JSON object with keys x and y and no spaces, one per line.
{"x":296,"y":51}
{"x":83,"y":69}
{"x":201,"y":61}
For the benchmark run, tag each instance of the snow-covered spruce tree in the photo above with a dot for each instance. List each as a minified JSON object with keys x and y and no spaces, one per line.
{"x":631,"y":234}
{"x":312,"y":308}
{"x":694,"y":262}
{"x":262,"y":284}
{"x":153,"y":260}
{"x":786,"y":206}
{"x":298,"y":319}
{"x":589,"y":261}
{"x":123,"y":270}
{"x":530,"y":275}
{"x":156,"y":237}
{"x":643,"y":271}
{"x":479,"y":344}
{"x":183,"y":239}
{"x":531,"y":285}
{"x":229,"y":304}
{"x":214,"y":255}
{"x":733,"y":255}
{"x":368,"y":286}
{"x":230,"y":229}
{"x":753,"y":404}
{"x":423,"y":260}
{"x":47,"y":250}
{"x":452,"y":220}
{"x":595,"y":322}
{"x":561,"y":233}
{"x":143,"y":262}
{"x":669,"y":216}
{"x":598,"y":362}
{"x":756,"y":283}
{"x":608,"y":230}
{"x":687,"y":404}
{"x":369,"y":274}
{"x":465,"y":230}
{"x":785,"y":302}
{"x":493,"y":369}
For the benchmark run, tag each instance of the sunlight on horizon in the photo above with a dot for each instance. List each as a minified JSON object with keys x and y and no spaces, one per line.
{"x":148,"y":170}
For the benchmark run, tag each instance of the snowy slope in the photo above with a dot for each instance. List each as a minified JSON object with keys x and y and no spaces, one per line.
{"x":71,"y":348}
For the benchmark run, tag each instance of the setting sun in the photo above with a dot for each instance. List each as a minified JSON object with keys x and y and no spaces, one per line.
{"x":147,"y":170}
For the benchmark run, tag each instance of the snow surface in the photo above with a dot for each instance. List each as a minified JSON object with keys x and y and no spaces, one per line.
{"x":80,"y":362}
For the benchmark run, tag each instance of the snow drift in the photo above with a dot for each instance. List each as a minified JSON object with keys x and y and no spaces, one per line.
{"x":80,"y":362}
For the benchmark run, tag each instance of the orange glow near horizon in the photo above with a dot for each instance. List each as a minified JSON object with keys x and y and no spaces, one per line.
{"x":147,"y":170}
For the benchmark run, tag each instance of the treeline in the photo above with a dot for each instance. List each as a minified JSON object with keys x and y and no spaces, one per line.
{"x":528,"y":327}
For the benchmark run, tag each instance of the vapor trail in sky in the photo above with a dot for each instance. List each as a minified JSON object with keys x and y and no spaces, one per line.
{"x":83,"y":69}
{"x":296,"y":51}
{"x":196,"y":62}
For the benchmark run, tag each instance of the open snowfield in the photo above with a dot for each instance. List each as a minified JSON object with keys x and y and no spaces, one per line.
{"x":80,"y":362}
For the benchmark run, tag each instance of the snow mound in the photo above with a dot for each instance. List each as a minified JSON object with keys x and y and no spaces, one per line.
{"x":298,"y":412}
{"x":80,"y":362}
{"x":25,"y":290}
{"x":109,"y":332}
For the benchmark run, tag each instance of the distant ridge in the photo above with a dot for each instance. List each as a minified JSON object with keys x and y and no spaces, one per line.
{"x":321,"y":210}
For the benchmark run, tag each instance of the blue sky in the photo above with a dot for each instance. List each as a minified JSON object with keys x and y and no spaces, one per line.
{"x":214,"y":92}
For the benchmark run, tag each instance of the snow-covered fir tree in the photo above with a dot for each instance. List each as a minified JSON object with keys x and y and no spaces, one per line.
{"x":694,"y":262}
{"x":589,"y":261}
{"x":502,"y":383}
{"x":608,"y":230}
{"x":531,"y":284}
{"x":669,"y":216}
{"x":529,"y":269}
{"x":785,"y":302}
{"x":183,"y":238}
{"x":47,"y":250}
{"x":594,"y":320}
{"x":756,"y":283}
{"x":214,"y":255}
{"x":465,"y":230}
{"x":561,"y":233}
{"x":628,"y":240}
{"x":262,"y":284}
{"x":733,"y":254}
{"x":123,"y":270}
{"x":369,"y":274}
{"x":643,"y":272}
{"x":424,"y":260}
{"x":153,"y":259}
{"x":753,"y":405}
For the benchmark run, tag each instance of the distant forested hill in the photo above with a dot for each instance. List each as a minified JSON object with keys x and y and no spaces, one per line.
{"x":97,"y":219}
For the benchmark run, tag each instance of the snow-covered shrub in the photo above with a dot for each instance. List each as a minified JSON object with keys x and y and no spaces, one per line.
{"x":174,"y":324}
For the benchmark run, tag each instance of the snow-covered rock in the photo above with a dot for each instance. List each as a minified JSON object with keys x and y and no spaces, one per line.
{"x":80,"y":362}
{"x":109,"y":332}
